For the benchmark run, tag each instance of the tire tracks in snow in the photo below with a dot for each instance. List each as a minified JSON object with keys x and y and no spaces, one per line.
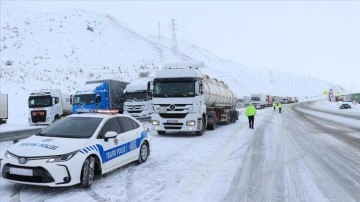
{"x":15,"y":193}
{"x":203,"y":172}
{"x":253,"y":180}
{"x":335,"y":164}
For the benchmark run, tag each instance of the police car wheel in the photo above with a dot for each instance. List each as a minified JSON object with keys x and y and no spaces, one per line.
{"x":87,"y":173}
{"x":144,"y":153}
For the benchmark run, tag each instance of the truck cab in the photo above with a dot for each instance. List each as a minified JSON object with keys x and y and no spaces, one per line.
{"x":99,"y":94}
{"x":138,"y":98}
{"x":47,"y":106}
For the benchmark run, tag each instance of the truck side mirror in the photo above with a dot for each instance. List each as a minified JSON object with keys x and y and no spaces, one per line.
{"x":201,"y":87}
{"x":150,"y":87}
{"x":98,"y":98}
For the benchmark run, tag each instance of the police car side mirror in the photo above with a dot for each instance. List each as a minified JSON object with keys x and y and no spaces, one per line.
{"x":110,"y":134}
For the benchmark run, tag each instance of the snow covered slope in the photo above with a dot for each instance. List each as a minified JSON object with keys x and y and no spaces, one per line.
{"x":64,"y":49}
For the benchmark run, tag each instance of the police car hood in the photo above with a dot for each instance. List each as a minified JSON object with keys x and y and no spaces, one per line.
{"x":46,"y":146}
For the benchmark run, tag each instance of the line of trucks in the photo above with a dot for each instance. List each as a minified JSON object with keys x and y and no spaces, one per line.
{"x":261,"y":100}
{"x":178,"y":99}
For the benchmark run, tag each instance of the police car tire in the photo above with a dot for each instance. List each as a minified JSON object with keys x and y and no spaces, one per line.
{"x":143,"y":153}
{"x":87,"y":173}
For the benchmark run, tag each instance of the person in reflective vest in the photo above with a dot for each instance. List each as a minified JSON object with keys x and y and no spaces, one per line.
{"x":250,"y":112}
{"x":280,"y":106}
{"x":274,"y":105}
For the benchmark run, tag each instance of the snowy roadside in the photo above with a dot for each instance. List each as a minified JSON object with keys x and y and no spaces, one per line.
{"x":334,"y":106}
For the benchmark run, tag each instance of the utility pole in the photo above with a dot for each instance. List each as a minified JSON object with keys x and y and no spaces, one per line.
{"x":173,"y":25}
{"x":159,"y":34}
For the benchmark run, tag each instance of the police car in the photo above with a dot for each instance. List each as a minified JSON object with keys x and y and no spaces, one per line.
{"x":75,"y":148}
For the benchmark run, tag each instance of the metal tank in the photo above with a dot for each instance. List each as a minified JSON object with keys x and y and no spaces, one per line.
{"x":217,"y":93}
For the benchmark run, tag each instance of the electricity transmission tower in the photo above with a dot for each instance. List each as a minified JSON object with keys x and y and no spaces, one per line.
{"x":173,"y":25}
{"x":159,"y":34}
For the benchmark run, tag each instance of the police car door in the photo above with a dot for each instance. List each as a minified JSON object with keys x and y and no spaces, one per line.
{"x":113,"y":150}
{"x":130,"y":135}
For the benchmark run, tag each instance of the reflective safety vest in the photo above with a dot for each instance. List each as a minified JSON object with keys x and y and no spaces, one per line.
{"x":250,"y":110}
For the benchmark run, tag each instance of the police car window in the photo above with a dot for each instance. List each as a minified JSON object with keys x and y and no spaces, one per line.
{"x":135,"y":124}
{"x":110,"y":125}
{"x":126,"y":123}
{"x":72,"y":127}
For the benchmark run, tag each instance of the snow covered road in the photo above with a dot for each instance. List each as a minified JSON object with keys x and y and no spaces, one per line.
{"x":299,"y":155}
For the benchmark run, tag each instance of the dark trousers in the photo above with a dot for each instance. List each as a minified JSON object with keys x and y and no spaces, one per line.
{"x":279,"y":110}
{"x":251,"y":121}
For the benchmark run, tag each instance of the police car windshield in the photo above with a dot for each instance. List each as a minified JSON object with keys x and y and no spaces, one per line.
{"x":72,"y":127}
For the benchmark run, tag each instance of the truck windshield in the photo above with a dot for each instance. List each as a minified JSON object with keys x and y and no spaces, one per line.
{"x":255,"y":98}
{"x":39,"y":101}
{"x":171,"y":88}
{"x":136,"y":96}
{"x":83,"y":99}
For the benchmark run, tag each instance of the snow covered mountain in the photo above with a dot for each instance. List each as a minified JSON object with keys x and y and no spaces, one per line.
{"x":64,"y":49}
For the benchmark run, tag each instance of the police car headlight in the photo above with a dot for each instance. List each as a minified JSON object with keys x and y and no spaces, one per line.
{"x":155,"y":122}
{"x":190,"y":123}
{"x":61,"y":158}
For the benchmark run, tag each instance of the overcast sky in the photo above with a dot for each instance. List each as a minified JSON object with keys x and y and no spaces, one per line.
{"x":317,"y":38}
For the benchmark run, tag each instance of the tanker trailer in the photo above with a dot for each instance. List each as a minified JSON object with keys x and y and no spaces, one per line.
{"x":185,"y":100}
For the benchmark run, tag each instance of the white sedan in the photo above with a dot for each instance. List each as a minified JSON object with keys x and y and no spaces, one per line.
{"x":75,"y":148}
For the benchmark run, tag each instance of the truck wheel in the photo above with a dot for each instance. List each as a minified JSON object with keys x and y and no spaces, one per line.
{"x":212,"y":124}
{"x":87,"y":173}
{"x":161,"y":132}
{"x":144,"y":153}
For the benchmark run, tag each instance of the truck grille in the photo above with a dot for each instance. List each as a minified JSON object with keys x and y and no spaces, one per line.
{"x":134,"y":111}
{"x":40,"y":175}
{"x":172,"y":115}
{"x":38,"y":116}
{"x":173,"y":127}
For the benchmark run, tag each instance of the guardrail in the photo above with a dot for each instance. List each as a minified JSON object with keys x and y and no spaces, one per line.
{"x":18,"y":134}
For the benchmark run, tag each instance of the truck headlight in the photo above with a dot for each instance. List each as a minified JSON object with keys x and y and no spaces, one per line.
{"x":155,"y":122}
{"x":191,"y":123}
{"x":61,"y":158}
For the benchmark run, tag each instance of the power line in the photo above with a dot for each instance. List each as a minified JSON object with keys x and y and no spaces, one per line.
{"x":173,"y":24}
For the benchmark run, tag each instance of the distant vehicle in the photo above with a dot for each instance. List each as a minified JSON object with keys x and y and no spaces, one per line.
{"x":3,"y":108}
{"x":258,"y":100}
{"x":345,"y":106}
{"x":138,"y":98}
{"x":75,"y":148}
{"x":269,"y":100}
{"x":99,"y":94}
{"x":355,"y":97}
{"x":48,"y":105}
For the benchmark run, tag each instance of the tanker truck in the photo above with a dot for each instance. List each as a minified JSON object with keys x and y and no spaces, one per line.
{"x":185,"y":100}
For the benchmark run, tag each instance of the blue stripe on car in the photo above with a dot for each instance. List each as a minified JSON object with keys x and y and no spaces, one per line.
{"x":118,"y":150}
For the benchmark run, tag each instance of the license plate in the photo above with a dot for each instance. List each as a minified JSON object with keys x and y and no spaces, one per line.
{"x":172,"y":121}
{"x":21,"y":171}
